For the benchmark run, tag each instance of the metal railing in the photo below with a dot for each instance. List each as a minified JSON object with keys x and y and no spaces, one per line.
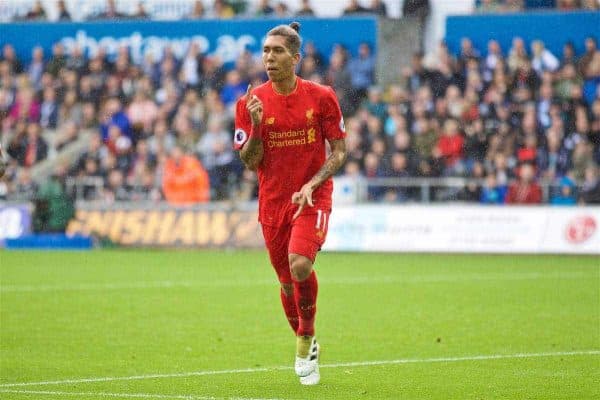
{"x":347,"y":189}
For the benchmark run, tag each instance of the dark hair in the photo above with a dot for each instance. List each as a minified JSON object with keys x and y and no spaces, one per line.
{"x":291,"y":34}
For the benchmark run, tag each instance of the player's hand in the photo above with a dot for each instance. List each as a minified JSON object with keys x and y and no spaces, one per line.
{"x":302,"y":198}
{"x":254,"y":106}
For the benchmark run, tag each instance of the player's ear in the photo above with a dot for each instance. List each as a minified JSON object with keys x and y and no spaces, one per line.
{"x":296,"y":58}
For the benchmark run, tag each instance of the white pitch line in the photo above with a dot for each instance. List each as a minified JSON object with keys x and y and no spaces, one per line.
{"x":128,"y":395}
{"x":265,"y":282}
{"x":335,"y":365}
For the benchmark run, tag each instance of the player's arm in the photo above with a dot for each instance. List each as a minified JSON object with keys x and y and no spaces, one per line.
{"x":332,"y":164}
{"x":252,"y":151}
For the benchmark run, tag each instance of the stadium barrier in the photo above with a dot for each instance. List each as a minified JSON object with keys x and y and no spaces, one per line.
{"x":445,"y":228}
{"x":15,"y":221}
{"x":465,"y":228}
{"x":198,"y":226}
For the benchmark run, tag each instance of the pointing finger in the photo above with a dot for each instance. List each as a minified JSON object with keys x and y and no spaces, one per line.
{"x":298,"y":211}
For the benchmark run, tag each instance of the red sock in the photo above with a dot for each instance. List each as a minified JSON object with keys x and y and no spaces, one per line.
{"x":305,"y":293}
{"x":289,"y":307}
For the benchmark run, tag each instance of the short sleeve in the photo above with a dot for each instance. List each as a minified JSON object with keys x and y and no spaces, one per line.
{"x":332,"y":119}
{"x":242,"y":124}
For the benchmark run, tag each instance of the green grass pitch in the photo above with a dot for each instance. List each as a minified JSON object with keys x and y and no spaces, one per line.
{"x":208,"y":325}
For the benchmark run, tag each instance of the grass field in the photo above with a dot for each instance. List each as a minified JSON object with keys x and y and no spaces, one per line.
{"x":208,"y":325}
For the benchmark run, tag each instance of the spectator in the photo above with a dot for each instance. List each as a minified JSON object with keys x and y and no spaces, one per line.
{"x":63,"y":13}
{"x":305,"y":9}
{"x":115,"y":189}
{"x":9,"y":56}
{"x":590,"y":190}
{"x":281,"y":10}
{"x":234,"y":88}
{"x":591,"y":85}
{"x":25,"y":189}
{"x":69,"y":134}
{"x":590,"y":5}
{"x":54,"y":208}
{"x":221,"y":10}
{"x":37,"y":12}
{"x":491,"y":192}
{"x":185,"y":181}
{"x":525,"y":190}
{"x":362,"y":71}
{"x":112,"y":114}
{"x":566,"y":195}
{"x":567,"y":5}
{"x":110,"y":11}
{"x":568,"y":54}
{"x":37,"y":67}
{"x":378,"y":8}
{"x":490,"y":6}
{"x":450,"y":149}
{"x":142,"y":112}
{"x":517,"y":55}
{"x":140,"y":12}
{"x":25,"y":108}
{"x":49,"y":109}
{"x":191,"y":66}
{"x":264,"y":8}
{"x":354,"y":7}
{"x":215,"y":148}
{"x":542,"y":59}
{"x":415,"y":8}
{"x":198,"y":11}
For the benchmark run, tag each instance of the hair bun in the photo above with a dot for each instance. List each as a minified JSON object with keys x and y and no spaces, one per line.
{"x":295,"y":26}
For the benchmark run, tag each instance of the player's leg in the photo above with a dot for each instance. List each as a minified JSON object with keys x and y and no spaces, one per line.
{"x":307,"y":236}
{"x":276,"y":240}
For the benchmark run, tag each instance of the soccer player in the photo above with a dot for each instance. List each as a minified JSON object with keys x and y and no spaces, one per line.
{"x":281,"y":129}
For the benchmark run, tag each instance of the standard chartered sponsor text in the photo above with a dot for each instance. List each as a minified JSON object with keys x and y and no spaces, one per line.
{"x":292,"y":137}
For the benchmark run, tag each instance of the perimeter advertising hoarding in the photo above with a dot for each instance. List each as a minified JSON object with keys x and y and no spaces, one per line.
{"x":170,"y":227}
{"x":15,"y":221}
{"x":227,"y":39}
{"x":410,"y":228}
{"x":469,"y":229}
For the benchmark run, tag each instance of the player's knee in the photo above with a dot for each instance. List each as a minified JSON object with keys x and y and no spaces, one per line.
{"x":300,"y":267}
{"x":287,"y":289}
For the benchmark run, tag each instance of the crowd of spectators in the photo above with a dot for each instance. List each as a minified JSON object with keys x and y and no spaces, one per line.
{"x":506,"y":6}
{"x":226,"y":9}
{"x":215,"y":9}
{"x":506,"y":122}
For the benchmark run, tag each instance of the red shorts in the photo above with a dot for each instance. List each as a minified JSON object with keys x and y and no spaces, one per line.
{"x":304,"y":236}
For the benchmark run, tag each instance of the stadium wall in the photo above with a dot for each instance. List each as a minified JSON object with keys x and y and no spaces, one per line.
{"x":553,"y":28}
{"x":363,"y":228}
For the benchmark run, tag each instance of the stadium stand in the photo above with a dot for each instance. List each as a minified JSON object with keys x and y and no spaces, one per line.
{"x":486,"y":125}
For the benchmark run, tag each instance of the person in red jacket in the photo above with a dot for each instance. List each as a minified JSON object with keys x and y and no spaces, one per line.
{"x":185,"y":181}
{"x":525,"y":190}
{"x":450,"y":147}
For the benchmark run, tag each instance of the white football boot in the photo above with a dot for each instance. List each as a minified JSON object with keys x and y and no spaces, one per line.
{"x":308,"y":368}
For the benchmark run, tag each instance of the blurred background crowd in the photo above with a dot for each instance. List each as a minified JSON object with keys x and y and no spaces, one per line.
{"x":161,"y":129}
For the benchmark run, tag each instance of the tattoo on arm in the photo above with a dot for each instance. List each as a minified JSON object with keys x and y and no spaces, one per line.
{"x":332,"y":164}
{"x":252,"y":153}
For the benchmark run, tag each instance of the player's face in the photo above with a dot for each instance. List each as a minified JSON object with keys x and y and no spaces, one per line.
{"x":279,"y":62}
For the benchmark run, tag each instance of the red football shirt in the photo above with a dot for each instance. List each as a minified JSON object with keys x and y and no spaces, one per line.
{"x":293,"y":130}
